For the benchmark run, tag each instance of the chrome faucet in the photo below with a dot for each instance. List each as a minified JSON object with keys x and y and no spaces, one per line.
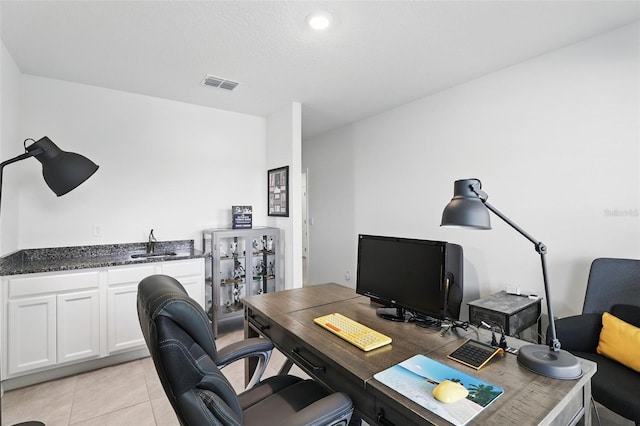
{"x":151,"y":245}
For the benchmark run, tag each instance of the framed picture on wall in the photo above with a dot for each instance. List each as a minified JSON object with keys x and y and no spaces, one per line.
{"x":278,"y":192}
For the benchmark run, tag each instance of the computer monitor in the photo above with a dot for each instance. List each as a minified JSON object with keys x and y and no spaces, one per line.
{"x":417,"y":278}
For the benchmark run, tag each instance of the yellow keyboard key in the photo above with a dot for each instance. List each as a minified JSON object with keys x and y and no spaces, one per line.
{"x":352,"y":331}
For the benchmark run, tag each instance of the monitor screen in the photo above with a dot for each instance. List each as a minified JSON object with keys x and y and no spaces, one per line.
{"x":410,"y":274}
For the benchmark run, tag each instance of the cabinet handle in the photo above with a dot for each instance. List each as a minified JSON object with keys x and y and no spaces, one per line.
{"x":308,"y":364}
{"x":261,"y":327}
{"x":382,"y":420}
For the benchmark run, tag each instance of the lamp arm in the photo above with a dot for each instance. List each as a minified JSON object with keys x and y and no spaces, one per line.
{"x":20,"y":157}
{"x":540,"y":248}
{"x":476,"y":187}
{"x":554,"y":343}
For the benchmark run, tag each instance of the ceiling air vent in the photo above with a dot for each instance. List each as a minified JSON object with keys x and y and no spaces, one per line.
{"x":220,"y":83}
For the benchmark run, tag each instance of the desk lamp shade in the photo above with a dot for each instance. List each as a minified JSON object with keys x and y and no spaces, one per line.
{"x":466,"y":209}
{"x":62,"y":170}
{"x":469,"y":208}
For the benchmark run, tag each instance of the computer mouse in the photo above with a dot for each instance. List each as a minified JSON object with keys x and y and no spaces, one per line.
{"x":449,"y":392}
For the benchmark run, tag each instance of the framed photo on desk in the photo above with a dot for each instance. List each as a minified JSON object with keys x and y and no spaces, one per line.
{"x":278,"y":192}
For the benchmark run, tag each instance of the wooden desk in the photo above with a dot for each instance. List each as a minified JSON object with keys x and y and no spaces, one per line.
{"x":286,"y":318}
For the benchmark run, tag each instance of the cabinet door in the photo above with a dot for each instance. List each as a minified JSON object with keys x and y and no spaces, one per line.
{"x":194,"y":285}
{"x":31,"y":333}
{"x":78,"y":325}
{"x":190,"y":273}
{"x":229,"y":272}
{"x":266,"y":257}
{"x":122,"y":318}
{"x":123,"y":327}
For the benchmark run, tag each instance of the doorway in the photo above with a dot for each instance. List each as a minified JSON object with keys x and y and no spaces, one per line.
{"x":305,"y":230}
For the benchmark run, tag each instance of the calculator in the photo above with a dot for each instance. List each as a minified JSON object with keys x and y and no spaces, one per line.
{"x":474,"y":354}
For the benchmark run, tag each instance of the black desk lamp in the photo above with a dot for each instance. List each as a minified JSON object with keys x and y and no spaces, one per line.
{"x":62,"y":171}
{"x":469,"y":208}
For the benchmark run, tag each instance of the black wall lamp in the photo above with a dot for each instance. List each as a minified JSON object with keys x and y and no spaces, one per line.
{"x":469,"y":208}
{"x":62,"y":170}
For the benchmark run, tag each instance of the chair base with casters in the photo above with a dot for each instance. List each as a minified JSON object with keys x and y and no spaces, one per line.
{"x":180,"y":340}
{"x":614,"y":287}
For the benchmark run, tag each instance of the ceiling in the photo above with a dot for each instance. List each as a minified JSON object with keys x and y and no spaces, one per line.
{"x":377,"y":54}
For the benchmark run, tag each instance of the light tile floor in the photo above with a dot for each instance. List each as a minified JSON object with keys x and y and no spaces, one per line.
{"x":125,"y":394}
{"x":131,"y":394}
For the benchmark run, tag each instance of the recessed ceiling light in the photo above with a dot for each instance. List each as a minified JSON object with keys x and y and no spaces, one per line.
{"x":319,"y":20}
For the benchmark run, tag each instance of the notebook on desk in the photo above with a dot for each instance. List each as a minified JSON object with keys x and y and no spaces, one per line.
{"x":416,"y":378}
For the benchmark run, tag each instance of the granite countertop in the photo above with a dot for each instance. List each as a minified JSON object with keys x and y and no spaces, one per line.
{"x":30,"y":261}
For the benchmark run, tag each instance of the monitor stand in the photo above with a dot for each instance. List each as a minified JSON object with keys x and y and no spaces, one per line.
{"x":428,"y":322}
{"x":392,"y":314}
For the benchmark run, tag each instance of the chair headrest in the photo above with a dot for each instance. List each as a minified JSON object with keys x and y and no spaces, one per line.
{"x":162,"y":295}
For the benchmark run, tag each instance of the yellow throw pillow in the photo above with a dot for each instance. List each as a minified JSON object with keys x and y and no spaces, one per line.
{"x":620,"y":341}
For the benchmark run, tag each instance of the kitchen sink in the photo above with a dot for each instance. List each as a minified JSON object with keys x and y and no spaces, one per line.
{"x":155,"y":254}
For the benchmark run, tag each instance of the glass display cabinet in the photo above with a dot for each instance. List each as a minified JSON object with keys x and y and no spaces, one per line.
{"x":241,"y":262}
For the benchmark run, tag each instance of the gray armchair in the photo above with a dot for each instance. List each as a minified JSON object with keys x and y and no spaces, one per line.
{"x":614,"y":287}
{"x":180,"y":340}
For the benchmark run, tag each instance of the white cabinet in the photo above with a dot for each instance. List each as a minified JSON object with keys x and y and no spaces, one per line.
{"x":122,"y":291}
{"x":123,"y":328}
{"x":190,"y":273}
{"x":57,"y":319}
{"x":32,"y":336}
{"x":78,"y":325}
{"x":51,"y":319}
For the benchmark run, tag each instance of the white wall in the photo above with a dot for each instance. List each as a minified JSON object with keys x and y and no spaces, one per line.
{"x":10,"y":146}
{"x":174,"y":167}
{"x":554,"y":140}
{"x":284,"y":146}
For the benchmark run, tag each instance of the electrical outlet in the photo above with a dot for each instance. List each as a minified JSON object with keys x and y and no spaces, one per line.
{"x":97,"y":230}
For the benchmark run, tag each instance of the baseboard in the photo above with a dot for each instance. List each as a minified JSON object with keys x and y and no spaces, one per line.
{"x":70,"y":370}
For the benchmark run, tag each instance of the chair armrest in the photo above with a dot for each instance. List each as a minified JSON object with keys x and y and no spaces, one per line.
{"x":333,"y":409}
{"x":579,"y":333}
{"x":254,"y":347}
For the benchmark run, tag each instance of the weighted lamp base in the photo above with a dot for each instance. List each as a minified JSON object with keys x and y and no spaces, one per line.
{"x":544,"y":361}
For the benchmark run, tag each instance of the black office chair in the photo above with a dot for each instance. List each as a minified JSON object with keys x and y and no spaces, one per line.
{"x":180,"y":340}
{"x":614,"y":287}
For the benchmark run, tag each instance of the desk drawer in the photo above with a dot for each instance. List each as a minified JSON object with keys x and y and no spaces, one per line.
{"x":574,"y":410}
{"x":258,"y":322}
{"x":324,"y":370}
{"x":387,"y":416}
